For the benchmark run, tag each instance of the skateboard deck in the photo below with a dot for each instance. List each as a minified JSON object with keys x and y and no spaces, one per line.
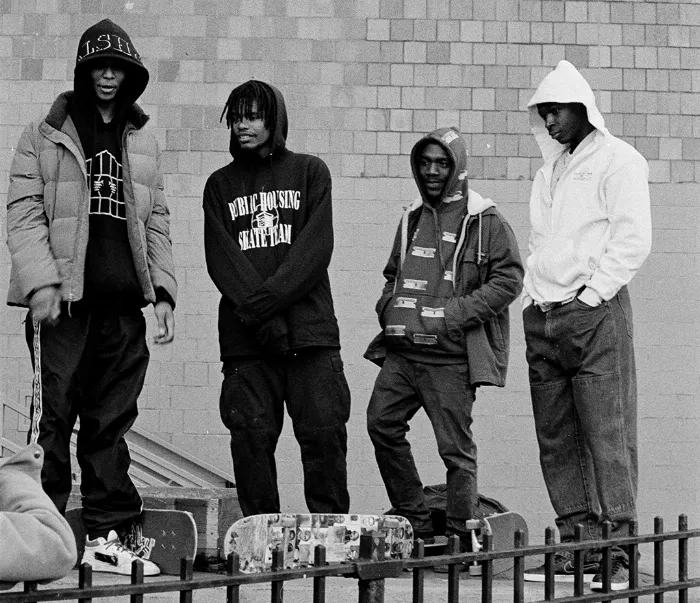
{"x":254,"y":538}
{"x":502,"y":527}
{"x":166,"y":537}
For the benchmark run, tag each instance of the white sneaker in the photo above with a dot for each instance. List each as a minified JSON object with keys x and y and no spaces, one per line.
{"x":110,"y":555}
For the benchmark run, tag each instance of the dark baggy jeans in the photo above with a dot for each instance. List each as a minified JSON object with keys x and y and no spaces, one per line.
{"x":313,"y":385}
{"x":93,"y":367}
{"x":401,"y":389}
{"x":584,"y":398}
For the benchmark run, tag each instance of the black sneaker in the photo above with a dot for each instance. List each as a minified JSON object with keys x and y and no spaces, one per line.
{"x":563,"y":569}
{"x":619,"y":577}
{"x":466,"y":545}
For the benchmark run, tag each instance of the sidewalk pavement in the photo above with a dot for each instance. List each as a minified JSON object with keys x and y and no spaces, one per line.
{"x":345,"y":590}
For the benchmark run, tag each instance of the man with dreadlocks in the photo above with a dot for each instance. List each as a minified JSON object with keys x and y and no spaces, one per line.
{"x":268,"y":237}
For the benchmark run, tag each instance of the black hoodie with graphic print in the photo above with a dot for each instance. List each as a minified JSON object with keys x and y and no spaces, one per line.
{"x":268,"y":238}
{"x":111,"y":283}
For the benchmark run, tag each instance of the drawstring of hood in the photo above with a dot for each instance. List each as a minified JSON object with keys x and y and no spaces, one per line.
{"x":476,"y":205}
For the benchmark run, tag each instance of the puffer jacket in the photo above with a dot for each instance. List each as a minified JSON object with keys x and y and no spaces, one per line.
{"x":48,"y":203}
{"x":37,"y":542}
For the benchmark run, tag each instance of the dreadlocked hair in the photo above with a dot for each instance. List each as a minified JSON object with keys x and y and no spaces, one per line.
{"x":240,"y":103}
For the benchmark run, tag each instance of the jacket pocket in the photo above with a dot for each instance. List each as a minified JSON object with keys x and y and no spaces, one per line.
{"x":470,"y":267}
{"x":557,"y":262}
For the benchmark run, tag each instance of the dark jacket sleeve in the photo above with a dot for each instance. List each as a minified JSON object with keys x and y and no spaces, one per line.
{"x":503,"y":282}
{"x":231,"y":271}
{"x":306,"y":262}
{"x":391,"y":273}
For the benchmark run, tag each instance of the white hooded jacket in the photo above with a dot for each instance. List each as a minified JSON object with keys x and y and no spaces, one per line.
{"x":595,"y":230}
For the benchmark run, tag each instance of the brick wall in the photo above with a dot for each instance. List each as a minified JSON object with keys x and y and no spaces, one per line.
{"x":363,"y":80}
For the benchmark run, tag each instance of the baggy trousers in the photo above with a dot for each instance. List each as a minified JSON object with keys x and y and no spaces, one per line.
{"x":313,"y":385}
{"x":401,"y":389}
{"x":93,"y":367}
{"x":584,"y":398}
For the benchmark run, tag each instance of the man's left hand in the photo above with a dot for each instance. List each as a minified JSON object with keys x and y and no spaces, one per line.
{"x":166,"y":323}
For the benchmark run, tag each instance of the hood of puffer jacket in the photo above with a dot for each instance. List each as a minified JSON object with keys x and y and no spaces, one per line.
{"x":562,"y":85}
{"x":106,"y":40}
{"x":279,"y":133}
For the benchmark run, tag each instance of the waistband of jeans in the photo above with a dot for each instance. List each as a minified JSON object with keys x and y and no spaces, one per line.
{"x":547,"y":306}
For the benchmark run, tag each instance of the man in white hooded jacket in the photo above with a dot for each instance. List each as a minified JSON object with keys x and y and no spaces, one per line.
{"x":590,"y":233}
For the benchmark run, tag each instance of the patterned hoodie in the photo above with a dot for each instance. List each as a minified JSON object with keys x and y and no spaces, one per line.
{"x":453,"y":271}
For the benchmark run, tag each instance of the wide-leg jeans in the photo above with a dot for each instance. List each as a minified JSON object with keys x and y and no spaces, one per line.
{"x":584,"y":398}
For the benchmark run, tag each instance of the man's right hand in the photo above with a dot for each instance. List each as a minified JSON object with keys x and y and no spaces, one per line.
{"x":45,"y":304}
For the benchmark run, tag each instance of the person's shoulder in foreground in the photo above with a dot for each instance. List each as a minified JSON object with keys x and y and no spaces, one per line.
{"x":36,"y":541}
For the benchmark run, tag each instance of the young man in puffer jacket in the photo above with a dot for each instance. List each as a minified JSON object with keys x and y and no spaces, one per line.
{"x":88,"y":233}
{"x":452,"y":273}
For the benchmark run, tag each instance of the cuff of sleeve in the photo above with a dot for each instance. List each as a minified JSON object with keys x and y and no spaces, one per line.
{"x":589,"y":297}
{"x":455,"y":326}
{"x":163,"y":295}
{"x":258,"y":308}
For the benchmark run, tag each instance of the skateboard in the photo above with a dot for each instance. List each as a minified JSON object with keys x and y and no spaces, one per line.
{"x":254,"y":538}
{"x":501,"y":526}
{"x":166,"y":537}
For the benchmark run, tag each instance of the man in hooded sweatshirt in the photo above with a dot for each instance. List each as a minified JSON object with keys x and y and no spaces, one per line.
{"x":590,"y":233}
{"x":88,"y":233}
{"x":453,"y":271}
{"x":268,"y":237}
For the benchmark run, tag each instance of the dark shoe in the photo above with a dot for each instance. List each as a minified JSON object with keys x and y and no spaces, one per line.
{"x":465,"y":546}
{"x":619,"y":577}
{"x":563,"y":569}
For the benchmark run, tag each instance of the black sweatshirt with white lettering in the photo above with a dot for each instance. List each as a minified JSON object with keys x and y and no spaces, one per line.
{"x":268,"y":238}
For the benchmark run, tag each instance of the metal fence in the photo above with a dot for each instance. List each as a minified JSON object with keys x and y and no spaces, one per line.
{"x":372,"y":573}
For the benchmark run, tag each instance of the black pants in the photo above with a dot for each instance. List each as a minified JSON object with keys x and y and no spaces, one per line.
{"x":313,"y":385}
{"x":92,"y":366}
